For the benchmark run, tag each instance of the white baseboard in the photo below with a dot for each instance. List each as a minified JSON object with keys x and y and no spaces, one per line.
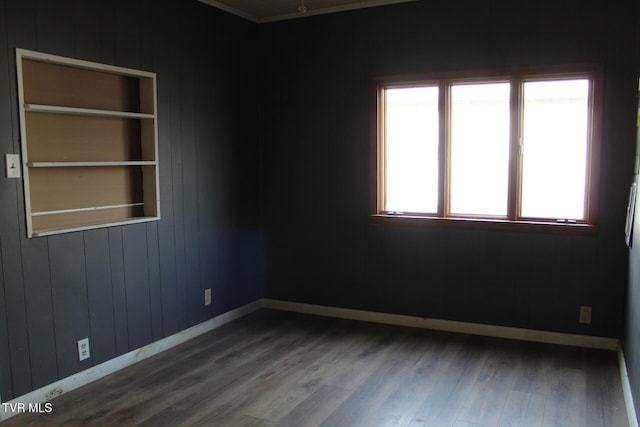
{"x":626,"y":389}
{"x":447,"y":325}
{"x":94,"y":373}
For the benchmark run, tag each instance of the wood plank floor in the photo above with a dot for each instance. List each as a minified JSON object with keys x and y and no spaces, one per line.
{"x":274,"y":368}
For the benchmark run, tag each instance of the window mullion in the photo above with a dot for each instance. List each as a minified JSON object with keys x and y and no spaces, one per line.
{"x":444,"y":152}
{"x":381,"y":159}
{"x":515,"y":157}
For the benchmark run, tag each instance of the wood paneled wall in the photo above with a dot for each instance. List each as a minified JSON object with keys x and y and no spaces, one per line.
{"x":316,"y":133}
{"x":125,"y":287}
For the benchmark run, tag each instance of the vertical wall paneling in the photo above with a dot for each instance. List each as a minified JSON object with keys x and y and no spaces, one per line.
{"x":246,"y":181}
{"x":208,"y":71}
{"x":108,"y":28}
{"x":100,"y":295}
{"x":177,"y":168}
{"x":55,"y":27}
{"x":65,"y":259}
{"x":87,"y":23}
{"x":13,"y":316}
{"x":191,"y":175}
{"x":6,"y":383}
{"x":5,"y":356}
{"x":125,"y":286}
{"x":116,"y":255}
{"x":134,"y":237}
{"x":108,"y":31}
{"x":40,"y":315}
{"x":134,"y":241}
{"x":155,"y":290}
{"x":147,"y":25}
{"x":33,"y":258}
{"x":164,"y":44}
{"x":214,"y":161}
{"x":70,"y":302}
{"x":128,"y":35}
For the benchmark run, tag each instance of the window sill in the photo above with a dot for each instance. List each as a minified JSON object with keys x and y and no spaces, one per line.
{"x":486,"y":223}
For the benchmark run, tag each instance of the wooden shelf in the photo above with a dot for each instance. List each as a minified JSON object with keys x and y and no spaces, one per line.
{"x":89,"y":164}
{"x":93,"y":208}
{"x":57,"y":230}
{"x":89,"y":144}
{"x":37,"y":108}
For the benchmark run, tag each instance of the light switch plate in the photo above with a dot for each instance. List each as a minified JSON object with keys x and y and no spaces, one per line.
{"x":12,"y":165}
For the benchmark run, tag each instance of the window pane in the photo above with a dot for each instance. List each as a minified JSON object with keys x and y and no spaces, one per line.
{"x":412,"y":149}
{"x":555,"y":149}
{"x":480,"y":148}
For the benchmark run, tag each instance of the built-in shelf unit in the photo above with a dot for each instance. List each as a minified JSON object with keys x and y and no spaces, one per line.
{"x":89,"y":144}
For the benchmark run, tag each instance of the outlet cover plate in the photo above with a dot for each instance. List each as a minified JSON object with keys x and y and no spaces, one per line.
{"x":585,"y":315}
{"x":207,"y":296}
{"x":83,"y":349}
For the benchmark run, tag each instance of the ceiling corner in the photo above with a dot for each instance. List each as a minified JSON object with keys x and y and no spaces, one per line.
{"x":231,"y":10}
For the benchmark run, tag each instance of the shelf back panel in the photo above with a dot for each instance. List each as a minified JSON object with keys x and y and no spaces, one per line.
{"x":73,"y":138}
{"x":54,"y":84}
{"x":55,"y":189}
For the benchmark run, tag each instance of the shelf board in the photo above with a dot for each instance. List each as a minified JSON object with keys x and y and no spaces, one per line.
{"x":90,"y":226}
{"x":90,"y":164}
{"x":92,"y":208}
{"x":39,"y":108}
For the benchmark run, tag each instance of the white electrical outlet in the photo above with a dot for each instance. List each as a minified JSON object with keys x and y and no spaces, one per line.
{"x":207,"y":296}
{"x":83,"y":349}
{"x":585,"y":314}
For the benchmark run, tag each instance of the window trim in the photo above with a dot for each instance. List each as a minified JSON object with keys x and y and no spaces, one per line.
{"x":517,"y":77}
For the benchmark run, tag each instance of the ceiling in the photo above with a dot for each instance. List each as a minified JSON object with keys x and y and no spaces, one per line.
{"x":278,"y":10}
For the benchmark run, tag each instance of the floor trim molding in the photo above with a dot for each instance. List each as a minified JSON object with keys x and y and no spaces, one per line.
{"x":626,"y":389}
{"x":101,"y":370}
{"x":447,"y":325}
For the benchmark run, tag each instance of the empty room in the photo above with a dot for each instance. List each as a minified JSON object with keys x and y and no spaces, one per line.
{"x":319,"y":213}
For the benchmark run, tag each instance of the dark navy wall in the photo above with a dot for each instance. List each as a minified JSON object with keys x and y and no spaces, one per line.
{"x":321,"y":247}
{"x":124,"y":287}
{"x":287,"y":135}
{"x":631,"y":337}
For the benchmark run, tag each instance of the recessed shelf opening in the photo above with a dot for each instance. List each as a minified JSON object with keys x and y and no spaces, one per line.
{"x":89,"y":144}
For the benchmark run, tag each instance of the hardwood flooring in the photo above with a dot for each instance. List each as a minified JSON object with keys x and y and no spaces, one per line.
{"x":275,"y":368}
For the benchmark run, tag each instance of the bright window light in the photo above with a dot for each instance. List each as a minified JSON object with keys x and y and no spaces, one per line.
{"x":480,"y":148}
{"x":555,"y":149}
{"x":411,"y":135}
{"x":510,"y":146}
